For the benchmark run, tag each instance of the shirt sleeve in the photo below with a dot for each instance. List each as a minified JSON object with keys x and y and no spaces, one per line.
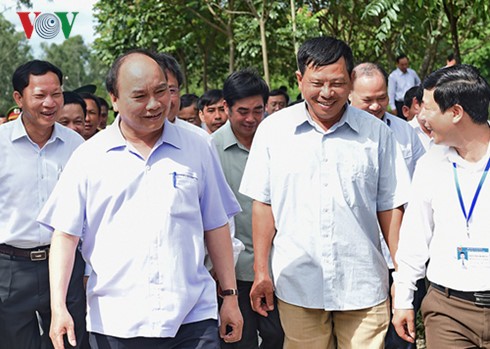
{"x":394,"y":180}
{"x":65,"y":208}
{"x":256,"y":177}
{"x":415,"y":236}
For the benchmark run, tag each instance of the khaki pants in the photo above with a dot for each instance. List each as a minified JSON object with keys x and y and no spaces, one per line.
{"x":454,"y":323}
{"x":320,"y":329}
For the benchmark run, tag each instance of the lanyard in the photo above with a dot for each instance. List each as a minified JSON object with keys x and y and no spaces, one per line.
{"x":475,"y":197}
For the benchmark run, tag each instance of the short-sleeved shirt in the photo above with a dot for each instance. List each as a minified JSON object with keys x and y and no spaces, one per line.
{"x":233,"y":156}
{"x":28,"y":174}
{"x":325,"y":189}
{"x":143,"y":224}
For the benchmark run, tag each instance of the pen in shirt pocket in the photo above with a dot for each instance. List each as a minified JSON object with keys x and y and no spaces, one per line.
{"x":174,"y":179}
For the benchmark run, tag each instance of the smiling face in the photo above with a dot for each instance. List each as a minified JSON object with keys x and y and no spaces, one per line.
{"x":245,"y":115}
{"x":143,"y":99}
{"x":439,"y":125}
{"x":369,"y":93}
{"x":41,"y":101}
{"x":72,"y":117}
{"x":325,"y":89}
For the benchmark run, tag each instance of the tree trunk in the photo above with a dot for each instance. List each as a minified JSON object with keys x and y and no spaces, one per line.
{"x":265,"y":59}
{"x":453,"y":25}
{"x":231,"y":38}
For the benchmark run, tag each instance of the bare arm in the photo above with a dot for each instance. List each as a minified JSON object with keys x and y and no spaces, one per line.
{"x":61,"y":257}
{"x":218,"y":242}
{"x":390,"y":222}
{"x":262,"y":292}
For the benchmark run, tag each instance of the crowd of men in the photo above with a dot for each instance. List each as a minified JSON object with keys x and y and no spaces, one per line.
{"x":326,"y":222}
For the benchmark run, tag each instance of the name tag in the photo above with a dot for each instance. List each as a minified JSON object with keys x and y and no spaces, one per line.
{"x":474,"y":257}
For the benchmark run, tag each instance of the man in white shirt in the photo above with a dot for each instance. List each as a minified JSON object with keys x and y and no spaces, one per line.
{"x":322,"y":175}
{"x":399,"y":81}
{"x":412,"y":103}
{"x":143,"y":195}
{"x":369,"y":93}
{"x":447,"y":217}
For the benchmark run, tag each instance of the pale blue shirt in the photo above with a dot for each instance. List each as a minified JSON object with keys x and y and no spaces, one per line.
{"x":325,"y":189}
{"x":142,"y":224}
{"x":399,"y":83}
{"x":27,"y":177}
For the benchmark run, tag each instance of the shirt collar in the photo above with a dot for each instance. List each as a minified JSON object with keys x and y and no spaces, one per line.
{"x":114,"y":138}
{"x":349,"y":118}
{"x":19,"y":131}
{"x":229,"y":138}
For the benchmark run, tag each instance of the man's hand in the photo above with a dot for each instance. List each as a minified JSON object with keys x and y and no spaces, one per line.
{"x":231,"y":319}
{"x":262,"y":295}
{"x":61,"y":324}
{"x":404,"y":323}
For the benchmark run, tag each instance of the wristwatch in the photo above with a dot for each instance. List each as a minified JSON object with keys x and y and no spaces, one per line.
{"x":229,"y":292}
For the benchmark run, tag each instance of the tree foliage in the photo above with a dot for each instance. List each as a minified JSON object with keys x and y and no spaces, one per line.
{"x":14,"y":51}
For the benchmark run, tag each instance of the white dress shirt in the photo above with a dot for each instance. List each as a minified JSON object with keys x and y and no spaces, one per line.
{"x":434,"y":227}
{"x":27,"y":177}
{"x":142,"y":224}
{"x":325,"y":189}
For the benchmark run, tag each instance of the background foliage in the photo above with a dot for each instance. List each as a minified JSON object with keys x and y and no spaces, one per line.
{"x":211,"y":38}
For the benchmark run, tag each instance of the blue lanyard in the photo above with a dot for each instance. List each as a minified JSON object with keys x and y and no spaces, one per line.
{"x":477,"y":193}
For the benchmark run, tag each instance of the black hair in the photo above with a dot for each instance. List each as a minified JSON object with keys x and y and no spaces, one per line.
{"x":168,"y":62}
{"x":209,"y":97}
{"x":415,"y":91}
{"x":323,"y":51}
{"x":20,"y":78}
{"x":279,"y":92}
{"x":450,"y":57}
{"x":242,"y":84}
{"x":75,"y":98}
{"x":188,"y":99}
{"x":400,"y":56}
{"x":86,"y":95}
{"x":113,"y":74}
{"x":369,"y":69}
{"x":460,"y":84}
{"x":103,"y":102}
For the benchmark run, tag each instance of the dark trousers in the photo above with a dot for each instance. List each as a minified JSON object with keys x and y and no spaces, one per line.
{"x":392,"y":340}
{"x":24,"y":294}
{"x":399,"y":110}
{"x":451,"y":322}
{"x":269,"y":328}
{"x":196,"y":335}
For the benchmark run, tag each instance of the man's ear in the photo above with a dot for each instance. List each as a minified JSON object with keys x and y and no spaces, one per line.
{"x":299,"y":78}
{"x":227,"y":109}
{"x":17,"y":98}
{"x":458,"y":113}
{"x":405,"y":111}
{"x":114,"y":102}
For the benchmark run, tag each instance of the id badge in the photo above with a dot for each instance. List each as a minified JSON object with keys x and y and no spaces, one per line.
{"x":474,"y":257}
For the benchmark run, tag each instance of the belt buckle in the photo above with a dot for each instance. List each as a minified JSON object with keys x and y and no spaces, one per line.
{"x":40,"y":255}
{"x":482,"y":300}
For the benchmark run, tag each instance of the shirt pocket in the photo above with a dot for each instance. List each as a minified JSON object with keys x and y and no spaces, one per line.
{"x":185,"y":190}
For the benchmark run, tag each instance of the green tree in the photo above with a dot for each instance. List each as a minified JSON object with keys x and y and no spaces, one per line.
{"x":80,"y":66}
{"x":14,"y":51}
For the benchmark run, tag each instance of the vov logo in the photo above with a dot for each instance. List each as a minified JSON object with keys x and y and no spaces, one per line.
{"x":47,"y":25}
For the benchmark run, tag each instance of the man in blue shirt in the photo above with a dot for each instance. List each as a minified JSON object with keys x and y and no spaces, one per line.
{"x":34,"y":150}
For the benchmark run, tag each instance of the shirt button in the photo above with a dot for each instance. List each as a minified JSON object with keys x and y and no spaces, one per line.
{"x":325,"y":185}
{"x":325,"y":210}
{"x":148,"y":167}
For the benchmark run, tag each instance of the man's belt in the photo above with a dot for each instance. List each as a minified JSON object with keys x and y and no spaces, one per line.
{"x":35,"y":254}
{"x":481,"y":299}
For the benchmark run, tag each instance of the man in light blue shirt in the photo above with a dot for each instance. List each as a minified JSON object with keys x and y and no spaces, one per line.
{"x":323,"y":176}
{"x":145,"y":196}
{"x":34,"y":150}
{"x":399,"y":81}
